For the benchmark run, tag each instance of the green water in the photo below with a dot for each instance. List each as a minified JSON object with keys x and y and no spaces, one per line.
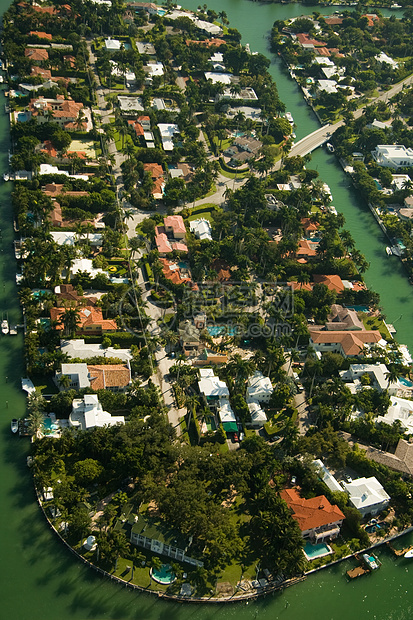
{"x":39,"y":579}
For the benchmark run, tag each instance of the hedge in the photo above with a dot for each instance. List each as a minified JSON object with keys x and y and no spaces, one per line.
{"x":231,"y":170}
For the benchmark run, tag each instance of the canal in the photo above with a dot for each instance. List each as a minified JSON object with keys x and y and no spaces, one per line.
{"x":39,"y":579}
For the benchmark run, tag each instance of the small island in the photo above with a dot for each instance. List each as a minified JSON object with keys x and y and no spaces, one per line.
{"x":215,"y":400}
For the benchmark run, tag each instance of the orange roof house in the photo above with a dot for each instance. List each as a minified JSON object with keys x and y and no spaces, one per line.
{"x":308,"y":225}
{"x":207,"y":42}
{"x":50,"y":10}
{"x":174,"y":224}
{"x":333,"y":21}
{"x":71,"y":60}
{"x":333,"y":283}
{"x":55,"y":216}
{"x":347,"y":343}
{"x":48,"y":148}
{"x":44,"y":73}
{"x":137,"y":127}
{"x":109,"y":376}
{"x":306,"y":249}
{"x":65,"y":112}
{"x":55,"y":189}
{"x":41,"y":35}
{"x":91,"y":320}
{"x":36,"y":54}
{"x":300,"y":286}
{"x":172,"y":272}
{"x":316,"y":517}
{"x":306,"y":41}
{"x":157,"y":176}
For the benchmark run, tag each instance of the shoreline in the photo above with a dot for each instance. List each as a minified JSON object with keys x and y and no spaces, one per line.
{"x":234,"y":598}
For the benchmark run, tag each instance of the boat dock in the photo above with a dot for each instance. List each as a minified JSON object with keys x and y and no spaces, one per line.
{"x":353,"y":573}
{"x":368,"y":563}
{"x":399,"y":552}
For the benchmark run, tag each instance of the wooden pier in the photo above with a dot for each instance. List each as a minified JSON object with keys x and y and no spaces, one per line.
{"x":398,"y":552}
{"x":353,"y":573}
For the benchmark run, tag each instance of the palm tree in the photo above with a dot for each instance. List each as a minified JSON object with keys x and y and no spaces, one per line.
{"x":64,"y":381}
{"x":70,"y":321}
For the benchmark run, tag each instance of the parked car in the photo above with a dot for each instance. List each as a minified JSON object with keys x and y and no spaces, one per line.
{"x":293,"y":479}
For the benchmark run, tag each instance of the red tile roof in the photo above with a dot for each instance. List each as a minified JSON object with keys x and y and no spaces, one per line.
{"x":352,"y":343}
{"x":333,"y":21}
{"x":34,"y":53}
{"x":207,"y":42}
{"x":88,"y":317}
{"x":137,"y":127}
{"x":109,"y":376}
{"x":333,"y":283}
{"x":175,"y":222}
{"x":41,"y":35}
{"x":304,"y":39}
{"x":311,"y":513}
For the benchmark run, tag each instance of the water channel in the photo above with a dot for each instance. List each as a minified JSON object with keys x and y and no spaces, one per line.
{"x":39,"y":579}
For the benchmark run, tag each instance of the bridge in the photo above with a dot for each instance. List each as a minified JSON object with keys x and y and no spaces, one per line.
{"x":314,"y":140}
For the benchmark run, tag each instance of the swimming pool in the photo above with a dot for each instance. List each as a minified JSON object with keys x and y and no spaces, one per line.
{"x":312,"y":552}
{"x":163,"y":575}
{"x":221,"y":330}
{"x":405,"y":382}
{"x":161,"y":12}
{"x":359,"y":308}
{"x":22,"y":117}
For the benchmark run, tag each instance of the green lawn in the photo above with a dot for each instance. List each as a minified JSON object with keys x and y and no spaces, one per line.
{"x":233,"y":175}
{"x":204,"y":211}
{"x":373,"y":322}
{"x":45,"y":385}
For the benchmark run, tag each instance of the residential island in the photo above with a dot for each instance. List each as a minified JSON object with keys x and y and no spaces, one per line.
{"x":216,"y":403}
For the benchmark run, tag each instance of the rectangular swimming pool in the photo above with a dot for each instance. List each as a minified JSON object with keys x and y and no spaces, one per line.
{"x":312,"y":552}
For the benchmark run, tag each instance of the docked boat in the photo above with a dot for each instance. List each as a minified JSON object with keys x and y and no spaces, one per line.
{"x":29,"y":461}
{"x":396,"y":250}
{"x":371,"y":561}
{"x":14,"y":425}
{"x":4,"y":326}
{"x":330,"y":147}
{"x":289,"y":118}
{"x":409,"y":554}
{"x":389,"y":250}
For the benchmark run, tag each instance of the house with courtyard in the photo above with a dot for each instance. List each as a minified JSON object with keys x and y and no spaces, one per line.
{"x":113,"y":377}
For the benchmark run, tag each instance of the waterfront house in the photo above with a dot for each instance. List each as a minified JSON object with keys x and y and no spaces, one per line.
{"x":91,"y":321}
{"x":87,"y":412}
{"x":64,"y":112}
{"x":400,"y":410}
{"x":393,"y":156}
{"x":347,"y":343}
{"x":113,"y":377}
{"x":367,"y":495}
{"x":78,"y":348}
{"x":317,"y":519}
{"x":341,"y":318}
{"x":154,"y":535}
{"x":377,"y":374}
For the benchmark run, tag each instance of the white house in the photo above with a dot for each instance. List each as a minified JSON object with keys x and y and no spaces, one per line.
{"x":201,"y":229}
{"x":87,"y":412}
{"x":218,"y":78}
{"x":77,"y":373}
{"x":383,"y":58}
{"x":167,"y":131}
{"x":258,"y":417}
{"x":393,"y":156}
{"x":326,"y":476}
{"x":79,"y":349}
{"x":64,"y":237}
{"x":377,"y":373}
{"x":367,"y":495}
{"x":211,"y":387}
{"x":400,"y":409}
{"x":259,"y":388}
{"x":329,"y":86}
{"x":112,"y":45}
{"x":130,"y":104}
{"x":85,"y":264}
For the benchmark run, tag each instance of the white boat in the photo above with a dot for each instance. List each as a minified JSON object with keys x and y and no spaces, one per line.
{"x":5,"y":326}
{"x":396,"y":250}
{"x":409,"y":554}
{"x":29,"y":461}
{"x":289,"y":118}
{"x":330,"y":147}
{"x":14,"y":425}
{"x":389,"y":250}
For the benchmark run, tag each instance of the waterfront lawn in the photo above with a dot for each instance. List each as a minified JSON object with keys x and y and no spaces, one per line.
{"x":374,"y":322}
{"x":44,"y":385}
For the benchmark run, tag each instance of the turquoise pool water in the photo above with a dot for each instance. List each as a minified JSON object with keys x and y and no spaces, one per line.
{"x":405,"y":382}
{"x":183,"y":265}
{"x":316,"y":551}
{"x":220,"y":330}
{"x":161,"y":12}
{"x":359,"y":308}
{"x":164,"y":574}
{"x":22,"y":117}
